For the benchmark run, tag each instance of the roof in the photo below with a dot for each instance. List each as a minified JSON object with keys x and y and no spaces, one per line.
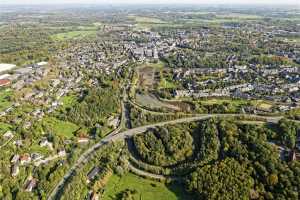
{"x":91,"y":175}
{"x":4,"y":82}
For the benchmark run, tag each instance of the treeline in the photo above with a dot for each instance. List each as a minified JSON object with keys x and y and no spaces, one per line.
{"x":164,"y":146}
{"x":24,"y":44}
{"x":96,"y":105}
{"x":140,"y":118}
{"x":242,"y":164}
{"x":193,"y":59}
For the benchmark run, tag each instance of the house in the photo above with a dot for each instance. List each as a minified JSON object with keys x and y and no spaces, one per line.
{"x":181,"y":93}
{"x":30,"y":184}
{"x":83,"y":140}
{"x":8,"y":135}
{"x":113,"y":122}
{"x":18,"y":85}
{"x":55,"y":82}
{"x":18,"y":143}
{"x":15,"y":170}
{"x":293,"y":155}
{"x":61,"y":152}
{"x":42,"y":63}
{"x":36,"y":156}
{"x":25,"y":159}
{"x":27,"y":125}
{"x":93,"y":195}
{"x":4,"y":82}
{"x":92,"y":174}
{"x":15,"y":158}
{"x":298,"y":141}
{"x":45,"y":143}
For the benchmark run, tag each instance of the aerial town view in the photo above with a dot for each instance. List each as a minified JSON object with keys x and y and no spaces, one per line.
{"x":149,"y":100}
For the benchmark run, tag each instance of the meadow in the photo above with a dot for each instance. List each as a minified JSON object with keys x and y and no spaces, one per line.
{"x":144,"y":189}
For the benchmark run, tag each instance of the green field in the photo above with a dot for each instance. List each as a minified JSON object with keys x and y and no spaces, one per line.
{"x":145,"y":189}
{"x":152,"y":20}
{"x":68,"y":101}
{"x":164,"y":83}
{"x":4,"y":127}
{"x":60,"y":128}
{"x":4,"y":99}
{"x":221,"y":101}
{"x":74,"y":35}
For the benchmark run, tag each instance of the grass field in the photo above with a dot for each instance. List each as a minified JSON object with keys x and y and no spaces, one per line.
{"x":145,"y":189}
{"x":164,"y":83}
{"x":221,"y":101}
{"x":4,"y":99}
{"x":261,"y":104}
{"x":146,"y":23}
{"x":68,"y":101}
{"x":151,"y":20}
{"x":59,"y":127}
{"x":74,"y":35}
{"x":4,"y":127}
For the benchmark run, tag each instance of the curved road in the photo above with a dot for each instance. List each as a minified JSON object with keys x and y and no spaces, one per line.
{"x":117,"y":136}
{"x":151,"y":175}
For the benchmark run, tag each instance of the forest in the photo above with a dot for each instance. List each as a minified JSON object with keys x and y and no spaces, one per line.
{"x":234,"y":160}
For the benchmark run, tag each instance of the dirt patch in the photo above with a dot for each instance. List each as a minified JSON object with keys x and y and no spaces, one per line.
{"x":150,"y":101}
{"x":146,"y":77}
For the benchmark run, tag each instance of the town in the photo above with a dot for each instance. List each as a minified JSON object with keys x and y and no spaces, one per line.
{"x":157,"y":95}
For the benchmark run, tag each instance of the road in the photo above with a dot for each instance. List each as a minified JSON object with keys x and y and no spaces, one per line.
{"x":150,"y":175}
{"x":116,"y":135}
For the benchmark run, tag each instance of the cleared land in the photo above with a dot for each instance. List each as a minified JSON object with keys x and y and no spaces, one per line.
{"x":146,"y":77}
{"x":61,"y":128}
{"x":145,"y":189}
{"x":152,"y":102}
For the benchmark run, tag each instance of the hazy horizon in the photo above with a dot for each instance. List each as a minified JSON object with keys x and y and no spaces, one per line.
{"x":253,"y":2}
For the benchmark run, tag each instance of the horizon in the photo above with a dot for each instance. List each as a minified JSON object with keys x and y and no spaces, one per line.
{"x":149,"y":2}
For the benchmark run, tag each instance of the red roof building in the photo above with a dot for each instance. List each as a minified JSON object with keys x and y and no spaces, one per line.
{"x":4,"y":82}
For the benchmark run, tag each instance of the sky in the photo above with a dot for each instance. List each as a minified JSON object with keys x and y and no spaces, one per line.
{"x":295,"y":2}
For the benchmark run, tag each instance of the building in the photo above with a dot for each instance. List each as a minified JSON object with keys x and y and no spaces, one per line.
{"x":8,"y":135}
{"x":92,"y":174}
{"x":30,"y":184}
{"x":4,"y":82}
{"x":15,"y":158}
{"x":82,"y":140}
{"x":45,"y":143}
{"x":15,"y":170}
{"x":25,"y":159}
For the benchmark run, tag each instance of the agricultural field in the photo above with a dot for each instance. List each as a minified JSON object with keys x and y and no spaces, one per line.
{"x":143,"y":189}
{"x":146,"y":23}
